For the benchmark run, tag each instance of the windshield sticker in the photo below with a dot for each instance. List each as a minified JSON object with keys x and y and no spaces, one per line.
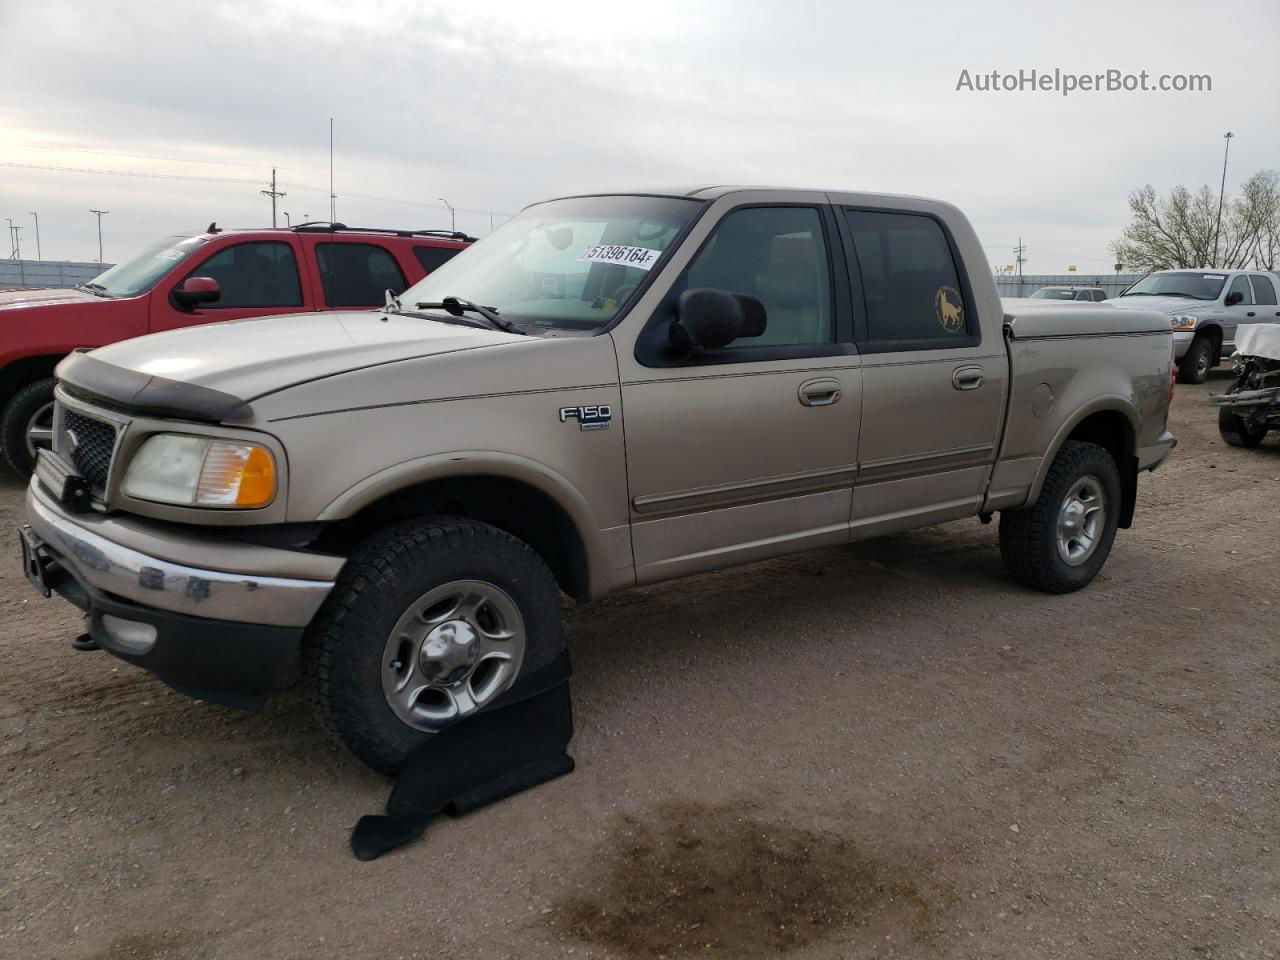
{"x":1212,"y":276}
{"x":950,"y":309}
{"x":170,"y":255}
{"x":642,"y":258}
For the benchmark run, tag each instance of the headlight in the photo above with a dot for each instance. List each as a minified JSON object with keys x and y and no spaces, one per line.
{"x":201,"y":472}
{"x":1183,"y":322}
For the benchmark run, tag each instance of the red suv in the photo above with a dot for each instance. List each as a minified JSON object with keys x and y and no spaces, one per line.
{"x":185,"y":280}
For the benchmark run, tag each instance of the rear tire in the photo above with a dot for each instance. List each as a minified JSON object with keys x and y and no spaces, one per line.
{"x":1060,"y":542}
{"x":1237,"y":431}
{"x":1196,"y":363}
{"x":27,"y":422}
{"x":377,"y":632}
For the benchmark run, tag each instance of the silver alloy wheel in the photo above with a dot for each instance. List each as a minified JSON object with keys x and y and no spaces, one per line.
{"x":1081,"y":520}
{"x":455,"y":649}
{"x":40,"y":429}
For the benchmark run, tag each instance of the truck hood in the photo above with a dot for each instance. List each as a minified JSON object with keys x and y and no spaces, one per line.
{"x":16,"y":299}
{"x":246,"y":359}
{"x":1163,"y":304}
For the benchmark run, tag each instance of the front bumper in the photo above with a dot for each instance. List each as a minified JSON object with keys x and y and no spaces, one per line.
{"x":226,"y":635}
{"x":1181,"y":342}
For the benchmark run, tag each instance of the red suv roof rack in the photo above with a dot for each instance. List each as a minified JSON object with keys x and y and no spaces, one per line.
{"x":328,"y":226}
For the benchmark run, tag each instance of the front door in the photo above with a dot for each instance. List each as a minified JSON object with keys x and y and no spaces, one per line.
{"x":256,"y":278}
{"x":747,"y":451}
{"x":933,"y":390}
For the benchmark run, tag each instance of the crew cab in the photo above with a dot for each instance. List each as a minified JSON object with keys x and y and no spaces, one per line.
{"x":1206,"y":308}
{"x":608,"y":391}
{"x":185,"y":280}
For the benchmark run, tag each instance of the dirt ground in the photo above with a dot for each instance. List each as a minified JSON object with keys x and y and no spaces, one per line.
{"x":883,"y":750}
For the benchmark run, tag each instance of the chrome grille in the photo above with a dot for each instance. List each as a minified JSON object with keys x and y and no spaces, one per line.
{"x":89,"y":444}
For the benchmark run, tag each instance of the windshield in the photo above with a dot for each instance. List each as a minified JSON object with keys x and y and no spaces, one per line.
{"x":564,"y":264}
{"x":1054,"y":293}
{"x":1195,"y":284}
{"x":138,"y":275}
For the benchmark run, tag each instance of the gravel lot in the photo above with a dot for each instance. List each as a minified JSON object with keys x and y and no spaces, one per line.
{"x":879,"y":750}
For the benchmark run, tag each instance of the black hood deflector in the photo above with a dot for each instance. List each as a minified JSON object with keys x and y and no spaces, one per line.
{"x":96,"y":380}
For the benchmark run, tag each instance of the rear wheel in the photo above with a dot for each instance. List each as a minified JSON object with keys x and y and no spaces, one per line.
{"x":1196,"y":363}
{"x":1060,"y":542}
{"x":1237,"y":431}
{"x":27,"y":425}
{"x":431,"y":621}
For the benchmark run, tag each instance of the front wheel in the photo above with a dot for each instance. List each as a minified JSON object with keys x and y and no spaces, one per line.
{"x":1060,"y":542}
{"x":27,"y":425}
{"x":1237,"y":431}
{"x":1196,"y":363}
{"x":430,"y":622}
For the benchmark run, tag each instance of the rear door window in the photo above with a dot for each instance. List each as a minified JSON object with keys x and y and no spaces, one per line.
{"x":1264,"y":290}
{"x":358,"y":274}
{"x":433,"y":257}
{"x":253,"y":275}
{"x":914,"y":297}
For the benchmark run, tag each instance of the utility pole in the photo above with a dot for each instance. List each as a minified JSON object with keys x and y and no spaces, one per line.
{"x":1222,"y":191}
{"x":453,"y":220}
{"x":36,"y":217}
{"x":12,"y":237}
{"x":1018,"y":257}
{"x":333,"y":198}
{"x":273,"y":193}
{"x":100,"y":214}
{"x":17,"y":242}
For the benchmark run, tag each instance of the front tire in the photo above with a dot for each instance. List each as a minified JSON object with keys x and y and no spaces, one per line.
{"x":1060,"y":542}
{"x":430,"y":621}
{"x":27,"y":425}
{"x":1237,"y":431}
{"x":1196,"y":363}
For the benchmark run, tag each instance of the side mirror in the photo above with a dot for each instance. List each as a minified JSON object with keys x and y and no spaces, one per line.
{"x":715,"y":318}
{"x":1233,"y":298}
{"x":194,"y":291}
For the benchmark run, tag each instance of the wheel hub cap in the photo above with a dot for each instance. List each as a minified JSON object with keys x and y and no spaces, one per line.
{"x":1081,"y":520}
{"x":449,"y":653}
{"x":455,"y":649}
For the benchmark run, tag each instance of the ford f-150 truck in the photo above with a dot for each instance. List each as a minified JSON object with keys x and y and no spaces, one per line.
{"x":609,"y":390}
{"x":1206,"y":308}
{"x":185,"y":280}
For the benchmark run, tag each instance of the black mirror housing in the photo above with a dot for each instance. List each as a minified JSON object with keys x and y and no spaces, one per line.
{"x":1233,"y":298}
{"x":711,"y":319}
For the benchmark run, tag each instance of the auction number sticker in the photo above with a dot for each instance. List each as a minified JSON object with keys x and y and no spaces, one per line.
{"x":642,"y":258}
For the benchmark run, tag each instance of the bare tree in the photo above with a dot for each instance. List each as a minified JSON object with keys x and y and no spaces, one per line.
{"x":1176,"y":231}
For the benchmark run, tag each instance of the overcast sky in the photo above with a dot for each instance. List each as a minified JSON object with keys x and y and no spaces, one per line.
{"x":495,"y":104}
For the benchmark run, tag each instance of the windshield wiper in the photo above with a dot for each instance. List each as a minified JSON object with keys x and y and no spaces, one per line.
{"x":94,"y":288}
{"x":456,"y":306}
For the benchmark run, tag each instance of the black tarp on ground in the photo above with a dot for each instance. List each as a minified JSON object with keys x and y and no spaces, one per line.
{"x":517,"y":743}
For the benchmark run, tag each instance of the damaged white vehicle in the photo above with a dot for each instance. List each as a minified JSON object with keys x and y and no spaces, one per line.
{"x":1251,"y":407}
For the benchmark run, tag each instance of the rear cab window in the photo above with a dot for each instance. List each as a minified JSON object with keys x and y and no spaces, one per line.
{"x":1264,"y":291}
{"x":357,"y":274}
{"x":914,"y":294}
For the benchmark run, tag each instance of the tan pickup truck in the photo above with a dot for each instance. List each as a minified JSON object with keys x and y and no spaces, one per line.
{"x":609,"y":390}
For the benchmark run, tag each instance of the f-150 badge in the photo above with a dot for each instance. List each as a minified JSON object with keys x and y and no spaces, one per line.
{"x":596,"y":417}
{"x":950,"y":309}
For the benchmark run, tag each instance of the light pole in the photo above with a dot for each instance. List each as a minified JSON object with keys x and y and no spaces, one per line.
{"x":453,"y":220}
{"x":287,"y":222}
{"x":100,"y":214}
{"x":1222,"y":191}
{"x":35,"y":216}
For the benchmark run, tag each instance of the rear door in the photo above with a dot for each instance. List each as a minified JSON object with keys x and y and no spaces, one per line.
{"x":932,"y":388}
{"x":1264,"y":298}
{"x":257,"y":278}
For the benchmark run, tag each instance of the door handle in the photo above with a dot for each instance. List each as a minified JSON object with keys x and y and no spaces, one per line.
{"x":820,"y":393}
{"x":1249,"y":314}
{"x":967,"y":378}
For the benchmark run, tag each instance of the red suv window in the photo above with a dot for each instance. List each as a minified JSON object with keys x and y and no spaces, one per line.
{"x":358,"y":274}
